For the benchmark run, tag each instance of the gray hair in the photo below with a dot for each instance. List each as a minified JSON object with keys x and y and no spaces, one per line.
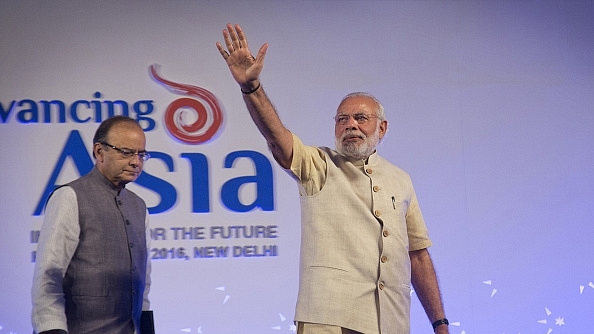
{"x":381,"y":114}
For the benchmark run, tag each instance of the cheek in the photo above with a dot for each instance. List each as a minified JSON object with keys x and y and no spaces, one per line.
{"x":338,"y":131}
{"x":369,"y":131}
{"x":119,"y":166}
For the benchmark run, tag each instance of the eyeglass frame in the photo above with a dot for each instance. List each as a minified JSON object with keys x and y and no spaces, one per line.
{"x":354,"y":116}
{"x":142,"y":155}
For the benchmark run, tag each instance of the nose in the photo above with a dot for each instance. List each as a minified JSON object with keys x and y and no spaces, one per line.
{"x":351,"y":123}
{"x":135,"y":160}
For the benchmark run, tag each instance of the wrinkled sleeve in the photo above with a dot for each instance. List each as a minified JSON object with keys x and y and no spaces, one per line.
{"x":308,"y":167}
{"x":58,"y":240}
{"x":418,"y":236}
{"x":147,"y":285}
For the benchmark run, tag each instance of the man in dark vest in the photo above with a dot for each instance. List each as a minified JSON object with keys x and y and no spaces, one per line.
{"x":92,"y":273}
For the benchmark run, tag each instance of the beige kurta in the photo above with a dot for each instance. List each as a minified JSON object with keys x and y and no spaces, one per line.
{"x":359,"y":221}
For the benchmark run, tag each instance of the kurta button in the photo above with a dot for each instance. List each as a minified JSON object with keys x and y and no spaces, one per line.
{"x":369,"y":171}
{"x":384,"y":259}
{"x":376,"y":188}
{"x":386,"y":233}
{"x":377,"y":213}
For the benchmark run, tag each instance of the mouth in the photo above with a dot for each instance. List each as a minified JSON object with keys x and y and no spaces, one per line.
{"x":352,"y":137}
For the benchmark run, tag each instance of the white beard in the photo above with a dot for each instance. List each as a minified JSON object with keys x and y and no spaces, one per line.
{"x":358,"y":150}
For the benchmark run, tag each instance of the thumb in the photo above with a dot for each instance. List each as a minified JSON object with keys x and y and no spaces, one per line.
{"x":262,"y":54}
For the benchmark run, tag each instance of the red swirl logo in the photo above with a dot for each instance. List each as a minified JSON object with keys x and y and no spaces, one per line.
{"x":191,"y":120}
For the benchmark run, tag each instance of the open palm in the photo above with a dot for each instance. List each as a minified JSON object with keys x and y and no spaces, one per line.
{"x":244,"y":67}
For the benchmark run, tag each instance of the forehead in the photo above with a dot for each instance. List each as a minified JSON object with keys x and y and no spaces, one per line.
{"x":126,"y":133}
{"x":357,"y":104}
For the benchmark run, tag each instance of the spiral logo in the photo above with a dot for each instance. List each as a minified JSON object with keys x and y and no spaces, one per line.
{"x":191,"y":120}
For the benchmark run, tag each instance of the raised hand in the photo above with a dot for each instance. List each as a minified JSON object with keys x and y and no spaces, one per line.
{"x":244,"y":68}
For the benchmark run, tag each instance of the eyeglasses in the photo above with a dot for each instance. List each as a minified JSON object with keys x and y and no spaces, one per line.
{"x":127,"y":154}
{"x":360,"y":118}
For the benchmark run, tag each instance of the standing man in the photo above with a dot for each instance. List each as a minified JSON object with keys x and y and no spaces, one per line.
{"x":363,"y":238}
{"x":92,"y":273}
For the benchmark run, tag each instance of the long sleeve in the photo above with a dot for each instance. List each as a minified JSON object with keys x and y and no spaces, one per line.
{"x":57,"y":243}
{"x":147,"y":285}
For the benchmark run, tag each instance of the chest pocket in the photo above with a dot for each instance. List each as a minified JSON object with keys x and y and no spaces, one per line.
{"x":396,"y":221}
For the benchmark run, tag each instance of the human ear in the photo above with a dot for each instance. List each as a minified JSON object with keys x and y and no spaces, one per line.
{"x":98,"y":151}
{"x":383,"y":128}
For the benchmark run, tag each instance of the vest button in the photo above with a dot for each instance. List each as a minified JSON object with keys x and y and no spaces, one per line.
{"x":384,"y":259}
{"x":131,"y":245}
{"x":386,"y":233}
{"x":369,"y":171}
{"x":119,"y":202}
{"x":376,"y":188}
{"x":127,"y":222}
{"x":381,"y":286}
{"x":377,"y":213}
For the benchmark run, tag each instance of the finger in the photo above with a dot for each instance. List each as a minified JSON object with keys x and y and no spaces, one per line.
{"x":223,"y":52}
{"x":228,"y":42}
{"x":241,"y":36}
{"x":233,"y":35}
{"x":262,"y":54}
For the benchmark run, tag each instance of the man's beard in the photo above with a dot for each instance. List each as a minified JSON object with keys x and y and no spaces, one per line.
{"x":357,"y":150}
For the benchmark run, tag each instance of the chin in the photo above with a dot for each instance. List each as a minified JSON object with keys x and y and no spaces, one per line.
{"x":128,"y":178}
